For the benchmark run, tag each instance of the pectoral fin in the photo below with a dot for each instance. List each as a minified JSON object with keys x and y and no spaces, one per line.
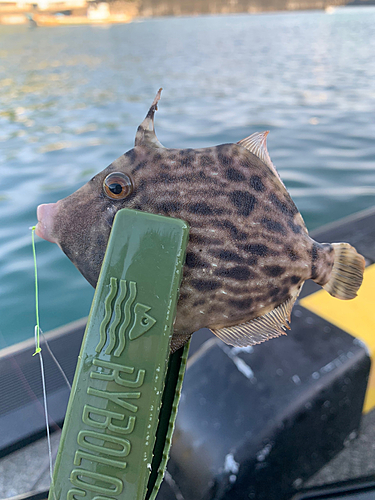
{"x":257,"y":144}
{"x":145,"y":135}
{"x":255,"y":331}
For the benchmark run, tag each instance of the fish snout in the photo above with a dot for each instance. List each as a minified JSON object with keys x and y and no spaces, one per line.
{"x":45,"y":215}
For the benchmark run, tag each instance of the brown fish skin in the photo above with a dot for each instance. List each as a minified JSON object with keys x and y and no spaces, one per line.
{"x":248,"y":252}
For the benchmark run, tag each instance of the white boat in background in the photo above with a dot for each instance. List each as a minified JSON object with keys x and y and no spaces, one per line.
{"x":330,"y":9}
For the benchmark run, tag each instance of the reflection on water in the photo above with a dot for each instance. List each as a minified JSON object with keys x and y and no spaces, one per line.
{"x":72,"y":97}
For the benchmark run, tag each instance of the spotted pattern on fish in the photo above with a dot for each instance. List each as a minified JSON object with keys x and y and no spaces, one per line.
{"x":241,"y":219}
{"x":249,"y":250}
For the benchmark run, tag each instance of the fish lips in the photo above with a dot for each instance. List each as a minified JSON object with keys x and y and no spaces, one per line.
{"x":44,"y":227}
{"x":56,"y":224}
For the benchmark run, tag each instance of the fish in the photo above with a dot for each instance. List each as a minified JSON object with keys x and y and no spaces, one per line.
{"x":249,"y":251}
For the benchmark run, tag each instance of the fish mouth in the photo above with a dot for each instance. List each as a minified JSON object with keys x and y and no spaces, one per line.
{"x":45,"y":215}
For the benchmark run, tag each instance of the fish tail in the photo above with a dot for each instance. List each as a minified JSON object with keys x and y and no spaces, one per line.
{"x":347,"y":272}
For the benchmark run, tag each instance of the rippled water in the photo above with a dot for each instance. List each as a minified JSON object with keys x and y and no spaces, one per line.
{"x":72,"y":97}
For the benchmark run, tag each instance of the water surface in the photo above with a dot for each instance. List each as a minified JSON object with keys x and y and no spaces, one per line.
{"x":72,"y":97}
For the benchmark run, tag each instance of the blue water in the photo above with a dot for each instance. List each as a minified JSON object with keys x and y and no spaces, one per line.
{"x":72,"y":97}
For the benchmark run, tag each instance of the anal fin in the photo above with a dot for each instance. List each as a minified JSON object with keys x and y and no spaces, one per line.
{"x":257,"y":330}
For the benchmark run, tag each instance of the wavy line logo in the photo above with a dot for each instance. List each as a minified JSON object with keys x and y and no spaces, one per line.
{"x":118,"y":308}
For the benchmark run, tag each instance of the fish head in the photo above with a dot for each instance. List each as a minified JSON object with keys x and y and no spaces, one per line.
{"x":80,"y":224}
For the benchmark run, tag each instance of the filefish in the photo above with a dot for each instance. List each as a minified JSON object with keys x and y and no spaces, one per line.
{"x":249,"y":251}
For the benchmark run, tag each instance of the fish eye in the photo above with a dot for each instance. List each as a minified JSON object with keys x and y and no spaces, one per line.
{"x":117,"y":186}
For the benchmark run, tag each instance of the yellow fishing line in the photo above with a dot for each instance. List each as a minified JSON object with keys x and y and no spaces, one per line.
{"x":37,"y":347}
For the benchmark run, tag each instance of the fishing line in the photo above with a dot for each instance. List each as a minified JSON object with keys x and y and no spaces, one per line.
{"x":37,"y":329}
{"x":44,"y":402}
{"x":38,"y":348}
{"x":56,"y":362}
{"x":38,"y":351}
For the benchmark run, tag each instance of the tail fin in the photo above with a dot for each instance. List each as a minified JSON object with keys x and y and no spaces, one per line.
{"x":347,"y":272}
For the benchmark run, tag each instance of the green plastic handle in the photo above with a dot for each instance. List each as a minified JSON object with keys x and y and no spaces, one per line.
{"x":113,"y":445}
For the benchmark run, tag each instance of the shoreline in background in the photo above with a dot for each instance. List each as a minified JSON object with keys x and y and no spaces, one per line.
{"x":37,"y":13}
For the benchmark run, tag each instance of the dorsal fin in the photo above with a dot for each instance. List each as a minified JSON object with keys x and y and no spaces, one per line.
{"x":257,"y":144}
{"x":145,"y":135}
{"x":257,"y":330}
